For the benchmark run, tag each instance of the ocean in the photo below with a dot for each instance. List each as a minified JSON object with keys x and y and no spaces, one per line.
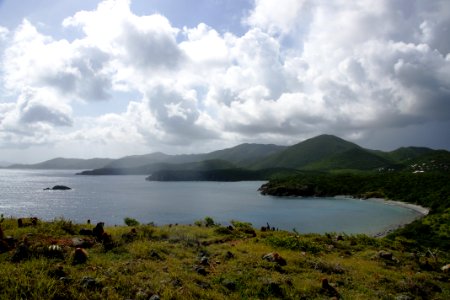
{"x":112,"y":198}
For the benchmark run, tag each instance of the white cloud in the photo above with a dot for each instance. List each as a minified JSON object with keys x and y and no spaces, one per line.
{"x":302,"y":68}
{"x":3,"y":33}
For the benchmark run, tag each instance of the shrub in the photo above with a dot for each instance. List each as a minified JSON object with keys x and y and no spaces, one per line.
{"x":293,"y":243}
{"x":209,"y":222}
{"x":131,"y":221}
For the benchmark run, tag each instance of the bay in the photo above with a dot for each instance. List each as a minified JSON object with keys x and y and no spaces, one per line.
{"x":112,"y":198}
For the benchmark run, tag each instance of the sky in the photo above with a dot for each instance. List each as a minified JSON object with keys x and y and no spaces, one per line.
{"x":85,"y":78}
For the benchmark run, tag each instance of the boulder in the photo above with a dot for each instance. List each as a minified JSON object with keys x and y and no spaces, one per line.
{"x":446,"y":268}
{"x":275,"y":257}
{"x":80,"y":256}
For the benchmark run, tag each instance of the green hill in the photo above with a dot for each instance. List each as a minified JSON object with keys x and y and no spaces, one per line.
{"x":245,"y":154}
{"x":307,"y":152}
{"x":405,"y":154}
{"x":355,"y":159}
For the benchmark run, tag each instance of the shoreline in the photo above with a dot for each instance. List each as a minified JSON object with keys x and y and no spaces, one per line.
{"x":422,"y":212}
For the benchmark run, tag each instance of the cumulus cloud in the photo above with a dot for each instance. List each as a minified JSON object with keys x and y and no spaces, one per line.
{"x":3,"y":33}
{"x":302,"y":68}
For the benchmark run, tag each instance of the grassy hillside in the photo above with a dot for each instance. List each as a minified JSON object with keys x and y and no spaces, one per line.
{"x":210,"y":261}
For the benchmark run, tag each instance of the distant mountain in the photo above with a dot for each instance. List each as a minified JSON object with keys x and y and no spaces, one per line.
{"x":405,"y":154}
{"x":4,"y":164}
{"x":321,"y":153}
{"x":307,"y":152}
{"x":151,"y":168}
{"x":65,"y":164}
{"x":134,"y":161}
{"x":245,"y":155}
{"x":241,"y":155}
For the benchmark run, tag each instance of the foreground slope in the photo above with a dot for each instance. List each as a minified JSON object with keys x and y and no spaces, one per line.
{"x":212,"y":262}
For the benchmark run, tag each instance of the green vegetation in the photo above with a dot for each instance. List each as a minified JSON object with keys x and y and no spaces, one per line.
{"x":251,"y":161}
{"x":212,"y":262}
{"x":428,"y":189}
{"x":233,"y":174}
{"x":130,"y":222}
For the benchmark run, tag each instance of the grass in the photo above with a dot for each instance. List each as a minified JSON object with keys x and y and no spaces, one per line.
{"x":214,"y":262}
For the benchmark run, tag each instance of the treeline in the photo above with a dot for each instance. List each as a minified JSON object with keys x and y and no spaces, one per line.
{"x":234,"y":174}
{"x":430,"y":190}
{"x":427,"y":189}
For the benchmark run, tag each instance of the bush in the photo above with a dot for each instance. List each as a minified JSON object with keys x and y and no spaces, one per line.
{"x":209,"y":222}
{"x":130,"y":222}
{"x":293,"y":243}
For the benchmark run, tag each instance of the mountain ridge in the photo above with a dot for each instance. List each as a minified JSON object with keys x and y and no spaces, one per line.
{"x":321,"y":153}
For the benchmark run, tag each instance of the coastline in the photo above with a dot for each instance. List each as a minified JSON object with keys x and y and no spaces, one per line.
{"x":422,"y":212}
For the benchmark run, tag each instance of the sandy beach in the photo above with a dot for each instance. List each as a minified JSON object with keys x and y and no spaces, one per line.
{"x":423,"y":211}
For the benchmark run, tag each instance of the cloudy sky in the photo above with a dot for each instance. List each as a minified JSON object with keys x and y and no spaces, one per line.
{"x":111,"y":78}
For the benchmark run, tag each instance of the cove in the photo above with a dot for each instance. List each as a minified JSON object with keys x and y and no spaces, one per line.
{"x":112,"y":198}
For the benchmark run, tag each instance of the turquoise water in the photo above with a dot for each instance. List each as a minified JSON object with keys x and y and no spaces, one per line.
{"x":112,"y":198}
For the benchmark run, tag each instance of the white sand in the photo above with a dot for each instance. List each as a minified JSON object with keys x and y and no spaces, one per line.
{"x":423,"y":211}
{"x":420,"y":209}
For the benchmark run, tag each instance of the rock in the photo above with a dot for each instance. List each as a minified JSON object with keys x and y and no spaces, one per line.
{"x":200,"y":270}
{"x":57,"y":272}
{"x":329,"y":290}
{"x":80,"y":256}
{"x":177,"y":282}
{"x":3,"y":247}
{"x":202,"y":284}
{"x":141,"y":295}
{"x":98,"y":230}
{"x":82,"y":243}
{"x":90,"y":283}
{"x":66,"y":280}
{"x":86,"y":231}
{"x":155,"y":297}
{"x":275,"y":257}
{"x":229,"y":284}
{"x":385,"y":255}
{"x":204,"y":261}
{"x":154,"y":255}
{"x":274,"y":289}
{"x":54,"y":251}
{"x":22,"y":253}
{"x":229,"y":255}
{"x":130,"y":236}
{"x":404,"y":297}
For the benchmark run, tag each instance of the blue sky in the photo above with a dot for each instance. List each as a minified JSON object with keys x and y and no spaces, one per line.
{"x":120,"y":77}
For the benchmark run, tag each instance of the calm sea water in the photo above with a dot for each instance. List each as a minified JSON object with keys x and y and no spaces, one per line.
{"x":112,"y":198}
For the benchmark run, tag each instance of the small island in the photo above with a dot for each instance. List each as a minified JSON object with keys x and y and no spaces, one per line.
{"x":58,"y":188}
